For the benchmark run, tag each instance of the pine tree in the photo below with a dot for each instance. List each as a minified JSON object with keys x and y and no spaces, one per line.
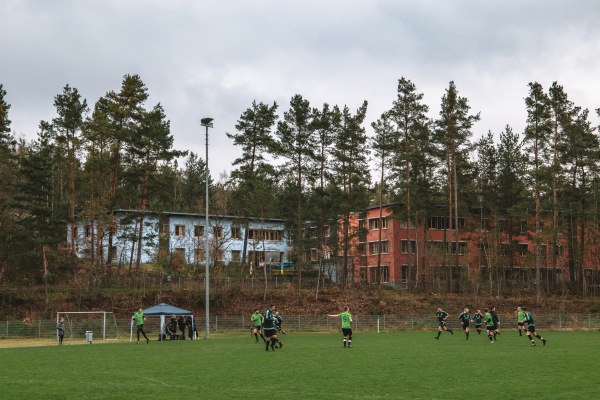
{"x":351,"y":175}
{"x":297,"y":146}
{"x":452,"y":134}
{"x":71,"y":110}
{"x":413,"y":150}
{"x":537,"y":142}
{"x":254,"y":136}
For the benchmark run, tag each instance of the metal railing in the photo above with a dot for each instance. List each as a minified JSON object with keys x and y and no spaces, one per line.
{"x":75,"y":329}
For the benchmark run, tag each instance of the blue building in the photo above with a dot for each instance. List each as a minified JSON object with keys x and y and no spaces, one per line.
{"x":178,"y":239}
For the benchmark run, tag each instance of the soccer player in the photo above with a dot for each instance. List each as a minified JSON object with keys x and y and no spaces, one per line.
{"x":442,"y":316}
{"x":478,"y":319}
{"x":346,"y":318}
{"x":520,"y":319}
{"x":269,"y":329}
{"x":139,"y":319}
{"x":531,"y":328}
{"x":496,"y":321}
{"x":279,"y":322}
{"x":60,"y":330}
{"x":465,"y":320}
{"x":489,"y":325}
{"x":257,"y":319}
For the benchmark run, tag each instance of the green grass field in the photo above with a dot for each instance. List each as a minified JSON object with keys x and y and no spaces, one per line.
{"x":310,"y":366}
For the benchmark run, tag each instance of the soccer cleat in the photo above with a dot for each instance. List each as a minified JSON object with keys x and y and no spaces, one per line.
{"x":280,"y":344}
{"x":452,"y":333}
{"x":147,"y":341}
{"x":532,"y":344}
{"x":544,"y":342}
{"x":349,"y":346}
{"x":436,"y":338}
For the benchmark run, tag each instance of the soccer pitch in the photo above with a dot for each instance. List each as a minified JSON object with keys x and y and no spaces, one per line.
{"x":409,"y":365}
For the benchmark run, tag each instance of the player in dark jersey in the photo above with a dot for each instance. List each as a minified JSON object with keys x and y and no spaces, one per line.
{"x":529,"y":321}
{"x":496,"y":321}
{"x":442,"y":316}
{"x":270,"y":330}
{"x":465,"y":320}
{"x":478,"y":320}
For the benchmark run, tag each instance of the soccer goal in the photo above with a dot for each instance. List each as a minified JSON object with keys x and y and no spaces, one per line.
{"x":103,"y":324}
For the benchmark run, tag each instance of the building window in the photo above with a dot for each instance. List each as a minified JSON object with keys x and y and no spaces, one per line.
{"x":486,"y":224}
{"x":87,"y":231}
{"x":442,"y":223}
{"x":523,"y":249}
{"x":558,"y":250}
{"x":462,"y":248}
{"x":179,"y":230}
{"x":327,"y":230}
{"x":218,"y":232}
{"x":164,"y":228}
{"x":265,"y":234}
{"x":198,"y":231}
{"x":404,"y":246}
{"x":504,"y":249}
{"x":199,"y":253}
{"x":219,"y":255}
{"x":314,"y":255}
{"x":236,"y":233}
{"x":404,"y":274}
{"x":403,"y":223}
{"x":374,"y":273}
{"x":374,"y":247}
{"x":375,"y":223}
{"x":236,"y":255}
{"x":179,"y":253}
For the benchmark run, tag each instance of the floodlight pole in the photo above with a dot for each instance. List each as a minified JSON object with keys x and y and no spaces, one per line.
{"x":206,"y":122}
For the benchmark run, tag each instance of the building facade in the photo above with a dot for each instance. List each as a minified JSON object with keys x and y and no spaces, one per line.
{"x":178,"y":239}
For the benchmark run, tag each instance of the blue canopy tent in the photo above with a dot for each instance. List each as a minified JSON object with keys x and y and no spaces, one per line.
{"x":161,"y":310}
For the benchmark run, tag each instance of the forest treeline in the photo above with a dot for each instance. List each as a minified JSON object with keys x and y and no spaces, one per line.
{"x":91,"y":160}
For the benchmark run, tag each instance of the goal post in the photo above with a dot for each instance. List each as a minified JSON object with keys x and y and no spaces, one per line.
{"x":77,"y":323}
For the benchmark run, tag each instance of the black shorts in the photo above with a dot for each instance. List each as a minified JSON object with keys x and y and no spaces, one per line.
{"x":258,"y":328}
{"x":347,"y":331}
{"x":520,"y":324}
{"x":490,"y":328}
{"x":270,"y":332}
{"x":465,"y":325}
{"x":478,"y":326}
{"x":442,"y":324}
{"x":531,"y":328}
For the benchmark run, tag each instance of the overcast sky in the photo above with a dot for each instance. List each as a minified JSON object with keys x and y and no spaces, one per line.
{"x":213,"y":58}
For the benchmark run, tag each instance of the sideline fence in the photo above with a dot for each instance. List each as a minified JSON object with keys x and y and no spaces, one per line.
{"x":292,"y":324}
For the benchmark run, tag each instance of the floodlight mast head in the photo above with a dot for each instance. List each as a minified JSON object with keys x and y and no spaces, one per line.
{"x":206,"y":122}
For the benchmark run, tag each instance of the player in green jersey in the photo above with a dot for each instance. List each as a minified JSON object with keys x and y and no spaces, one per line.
{"x":270,"y":329}
{"x":489,"y":325}
{"x":478,"y":319}
{"x":520,"y":319}
{"x":256,"y":319}
{"x":529,"y":321}
{"x":346,"y":318}
{"x":139,"y":319}
{"x":442,"y":316}
{"x":465,"y":320}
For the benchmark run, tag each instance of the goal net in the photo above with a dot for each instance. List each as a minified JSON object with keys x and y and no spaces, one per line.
{"x":102,"y":324}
